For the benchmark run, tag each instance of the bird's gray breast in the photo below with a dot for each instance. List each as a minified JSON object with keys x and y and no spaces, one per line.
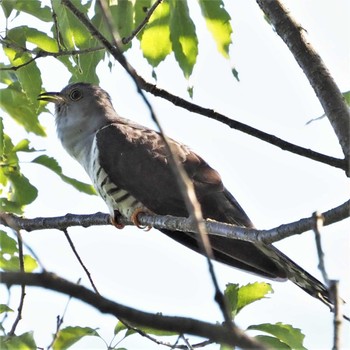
{"x":115,"y":197}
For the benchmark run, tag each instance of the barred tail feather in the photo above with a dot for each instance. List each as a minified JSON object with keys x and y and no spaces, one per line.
{"x":301,"y":278}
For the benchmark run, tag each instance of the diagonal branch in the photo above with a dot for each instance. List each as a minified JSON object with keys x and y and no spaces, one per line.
{"x":218,"y":333}
{"x":314,"y":68}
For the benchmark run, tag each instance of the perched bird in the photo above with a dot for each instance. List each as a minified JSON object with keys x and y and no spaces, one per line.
{"x":128,"y":166}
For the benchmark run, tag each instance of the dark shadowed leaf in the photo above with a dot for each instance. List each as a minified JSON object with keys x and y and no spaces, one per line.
{"x":272,"y":342}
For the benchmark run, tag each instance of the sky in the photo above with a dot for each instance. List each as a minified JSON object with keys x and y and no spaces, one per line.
{"x":148,"y":271}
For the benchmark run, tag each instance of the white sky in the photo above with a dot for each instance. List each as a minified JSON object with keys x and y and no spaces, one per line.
{"x":147,"y":270}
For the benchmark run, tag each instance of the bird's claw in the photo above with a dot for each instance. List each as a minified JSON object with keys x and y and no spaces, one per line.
{"x":135,"y":219}
{"x":115,"y":218}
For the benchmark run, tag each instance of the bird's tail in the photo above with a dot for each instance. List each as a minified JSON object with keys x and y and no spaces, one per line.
{"x":300,"y":277}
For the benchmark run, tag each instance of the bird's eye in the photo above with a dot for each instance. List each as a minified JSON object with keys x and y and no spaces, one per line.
{"x":75,"y":95}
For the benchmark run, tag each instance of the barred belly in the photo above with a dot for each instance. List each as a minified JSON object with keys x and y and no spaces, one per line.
{"x":116,"y":198}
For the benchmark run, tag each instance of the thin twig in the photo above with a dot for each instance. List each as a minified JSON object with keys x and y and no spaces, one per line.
{"x":143,"y":23}
{"x":337,"y":318}
{"x":80,"y":260}
{"x":43,"y":53}
{"x":318,"y":224}
{"x":60,"y":320}
{"x":23,"y":287}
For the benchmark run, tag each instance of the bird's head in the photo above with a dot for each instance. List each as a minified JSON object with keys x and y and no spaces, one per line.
{"x":80,"y":110}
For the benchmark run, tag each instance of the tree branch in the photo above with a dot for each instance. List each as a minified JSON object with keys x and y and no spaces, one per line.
{"x":138,"y":29}
{"x":179,"y":224}
{"x":218,"y":333}
{"x":314,"y":68}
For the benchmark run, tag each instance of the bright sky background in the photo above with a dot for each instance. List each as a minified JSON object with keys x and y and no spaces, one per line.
{"x":146,"y":270}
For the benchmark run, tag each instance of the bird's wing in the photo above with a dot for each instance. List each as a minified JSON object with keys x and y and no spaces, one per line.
{"x":137,"y":162}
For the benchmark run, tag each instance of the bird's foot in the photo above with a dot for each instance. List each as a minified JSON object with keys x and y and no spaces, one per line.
{"x":135,"y":219}
{"x":115,"y":219}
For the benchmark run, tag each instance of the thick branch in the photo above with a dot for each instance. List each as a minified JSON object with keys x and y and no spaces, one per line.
{"x":314,"y":68}
{"x":182,"y":325}
{"x":179,"y":224}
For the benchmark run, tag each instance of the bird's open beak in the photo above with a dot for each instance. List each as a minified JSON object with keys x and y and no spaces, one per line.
{"x":54,"y":97}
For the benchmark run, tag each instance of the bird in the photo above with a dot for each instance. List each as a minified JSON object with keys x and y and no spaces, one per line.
{"x":129,"y":167}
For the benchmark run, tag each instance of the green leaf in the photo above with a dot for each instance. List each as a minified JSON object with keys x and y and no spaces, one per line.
{"x":183,"y":36}
{"x":41,"y":40}
{"x":119,"y":328}
{"x":23,"y":342}
{"x":72,"y":33}
{"x":272,"y":342}
{"x":155,"y":37}
{"x":29,"y":75}
{"x":231,"y":295}
{"x":240,"y":297}
{"x":11,"y":263}
{"x":23,"y":192}
{"x":218,"y":23}
{"x":33,"y":7}
{"x":23,"y":146}
{"x":157,"y":332}
{"x":226,"y":347}
{"x":284,"y":332}
{"x":7,"y":7}
{"x":252,"y":292}
{"x":70,"y":335}
{"x":4,"y":308}
{"x":53,"y":165}
{"x":9,"y":256}
{"x":11,"y":207}
{"x":122,"y":14}
{"x":30,"y":264}
{"x":20,"y":192}
{"x":7,"y":244}
{"x":16,"y":103}
{"x":1,"y":138}
{"x":347,"y":97}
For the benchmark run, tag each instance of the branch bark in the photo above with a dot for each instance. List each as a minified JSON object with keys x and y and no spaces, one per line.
{"x":272,"y":235}
{"x":218,"y":333}
{"x":314,"y":68}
